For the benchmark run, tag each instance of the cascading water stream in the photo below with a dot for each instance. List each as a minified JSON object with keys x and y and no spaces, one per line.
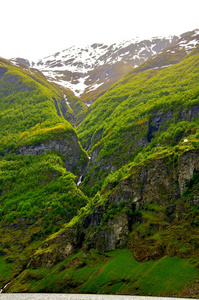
{"x":79,"y":180}
{"x":1,"y":290}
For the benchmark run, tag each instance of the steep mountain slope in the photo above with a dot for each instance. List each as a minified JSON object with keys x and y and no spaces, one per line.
{"x":144,"y":218}
{"x":69,"y":106}
{"x":153,"y":107}
{"x":38,"y":150}
{"x":131,"y":226}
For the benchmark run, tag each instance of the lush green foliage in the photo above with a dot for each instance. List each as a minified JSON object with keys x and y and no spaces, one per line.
{"x":38,"y":186}
{"x":120,"y":124}
{"x":116,"y":272}
{"x":29,"y":109}
{"x":37,"y":195}
{"x":76,"y":108}
{"x":152,"y":113}
{"x":126,"y":108}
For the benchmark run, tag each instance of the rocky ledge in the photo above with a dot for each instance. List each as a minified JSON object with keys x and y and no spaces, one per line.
{"x":75,"y":158}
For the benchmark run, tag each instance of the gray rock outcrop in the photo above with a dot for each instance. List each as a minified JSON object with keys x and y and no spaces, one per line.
{"x":74,"y":157}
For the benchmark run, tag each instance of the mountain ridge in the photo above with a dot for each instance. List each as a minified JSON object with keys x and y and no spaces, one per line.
{"x":89,"y":71}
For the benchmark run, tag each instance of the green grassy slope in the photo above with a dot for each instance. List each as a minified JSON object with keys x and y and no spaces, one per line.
{"x":37,"y":193}
{"x":143,"y":110}
{"x":30,"y":109}
{"x":116,"y":272}
{"x":37,"y":197}
{"x":139,"y":195}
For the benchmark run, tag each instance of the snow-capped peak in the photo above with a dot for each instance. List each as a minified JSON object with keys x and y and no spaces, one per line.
{"x":80,"y":68}
{"x":90,"y":68}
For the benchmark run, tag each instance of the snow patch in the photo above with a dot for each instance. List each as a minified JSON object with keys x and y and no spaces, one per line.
{"x":188,"y":45}
{"x":95,"y":86}
{"x":76,"y":63}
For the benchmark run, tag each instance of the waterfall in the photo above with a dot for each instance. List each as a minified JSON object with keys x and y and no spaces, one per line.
{"x":1,"y":290}
{"x":79,"y":180}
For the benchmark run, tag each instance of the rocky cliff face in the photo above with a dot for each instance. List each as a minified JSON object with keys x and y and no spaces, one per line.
{"x":157,"y":123}
{"x":161,"y":180}
{"x":113,"y":225}
{"x":56,"y":250}
{"x":161,"y":118}
{"x":74,"y":157}
{"x":153,"y":182}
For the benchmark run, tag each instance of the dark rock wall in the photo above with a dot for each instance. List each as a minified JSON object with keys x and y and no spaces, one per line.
{"x":69,"y":147}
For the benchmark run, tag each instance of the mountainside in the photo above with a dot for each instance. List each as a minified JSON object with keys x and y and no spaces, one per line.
{"x":38,"y":151}
{"x":91,"y":70}
{"x":120,"y":216}
{"x":152,"y":107}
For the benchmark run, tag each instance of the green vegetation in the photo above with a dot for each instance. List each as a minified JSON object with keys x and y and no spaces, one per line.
{"x":75,"y":109}
{"x":131,"y":225}
{"x":35,"y":186}
{"x":37,"y":194}
{"x":116,"y":272}
{"x":144,"y":112}
{"x":30,"y":110}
